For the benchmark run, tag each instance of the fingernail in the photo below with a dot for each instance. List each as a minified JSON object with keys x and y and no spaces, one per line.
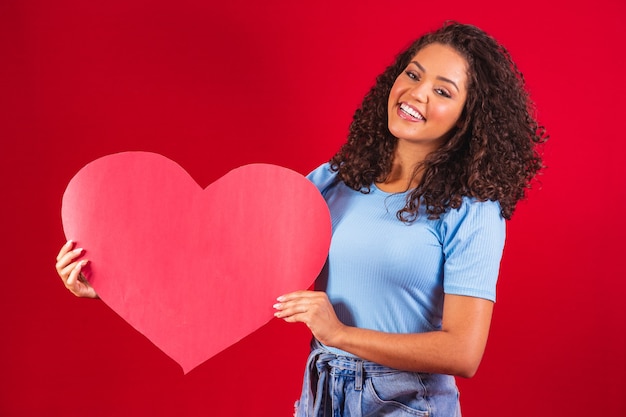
{"x":281,"y":298}
{"x":83,"y":263}
{"x":78,"y":250}
{"x":69,"y":242}
{"x":277,"y":305}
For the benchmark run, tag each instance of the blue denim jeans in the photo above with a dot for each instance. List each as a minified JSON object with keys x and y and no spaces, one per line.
{"x":341,"y":386}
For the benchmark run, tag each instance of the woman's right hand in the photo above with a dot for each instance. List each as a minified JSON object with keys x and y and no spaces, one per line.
{"x":69,"y":268}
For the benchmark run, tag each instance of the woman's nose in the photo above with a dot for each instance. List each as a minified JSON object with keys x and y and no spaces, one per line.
{"x":420,"y":92}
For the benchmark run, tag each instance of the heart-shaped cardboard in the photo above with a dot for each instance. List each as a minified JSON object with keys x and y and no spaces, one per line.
{"x":195,"y":270}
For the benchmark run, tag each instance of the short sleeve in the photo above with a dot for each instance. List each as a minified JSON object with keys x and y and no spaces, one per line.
{"x":473,"y":241}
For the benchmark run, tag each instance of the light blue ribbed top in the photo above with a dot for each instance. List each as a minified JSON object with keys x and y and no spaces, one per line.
{"x":386,"y":275}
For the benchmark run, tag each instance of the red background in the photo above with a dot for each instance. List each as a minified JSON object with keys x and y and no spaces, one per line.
{"x":216,"y":86}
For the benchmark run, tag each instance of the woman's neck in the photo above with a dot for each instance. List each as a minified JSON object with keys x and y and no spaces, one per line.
{"x":403,"y":175}
{"x":399,"y":179}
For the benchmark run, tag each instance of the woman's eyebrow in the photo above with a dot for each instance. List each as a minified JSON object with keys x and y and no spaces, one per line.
{"x":439,"y":77}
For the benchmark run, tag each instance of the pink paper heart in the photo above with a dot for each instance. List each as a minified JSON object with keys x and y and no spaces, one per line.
{"x":195,"y":270}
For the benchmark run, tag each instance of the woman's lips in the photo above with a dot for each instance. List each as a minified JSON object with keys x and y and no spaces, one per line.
{"x":410,"y":113}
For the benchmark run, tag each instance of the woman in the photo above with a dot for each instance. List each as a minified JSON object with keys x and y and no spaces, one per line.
{"x":438,"y":155}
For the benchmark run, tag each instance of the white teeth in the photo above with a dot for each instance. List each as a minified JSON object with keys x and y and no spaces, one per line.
{"x":411,"y":112}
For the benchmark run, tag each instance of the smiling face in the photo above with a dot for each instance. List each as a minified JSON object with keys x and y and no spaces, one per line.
{"x":427,"y":98}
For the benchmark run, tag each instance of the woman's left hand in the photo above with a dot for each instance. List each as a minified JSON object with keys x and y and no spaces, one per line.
{"x":313,"y":309}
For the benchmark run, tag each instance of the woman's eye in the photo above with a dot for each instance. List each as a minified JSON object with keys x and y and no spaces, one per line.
{"x":443,"y":92}
{"x":412,"y":75}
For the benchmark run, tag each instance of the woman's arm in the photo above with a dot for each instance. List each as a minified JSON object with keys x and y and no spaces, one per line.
{"x":456,"y":349}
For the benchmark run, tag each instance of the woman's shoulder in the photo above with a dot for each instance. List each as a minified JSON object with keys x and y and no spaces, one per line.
{"x":480,"y":213}
{"x":322,"y":177}
{"x":473,"y":204}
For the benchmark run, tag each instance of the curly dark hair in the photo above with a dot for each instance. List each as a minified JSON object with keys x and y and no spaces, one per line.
{"x":492,"y":155}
